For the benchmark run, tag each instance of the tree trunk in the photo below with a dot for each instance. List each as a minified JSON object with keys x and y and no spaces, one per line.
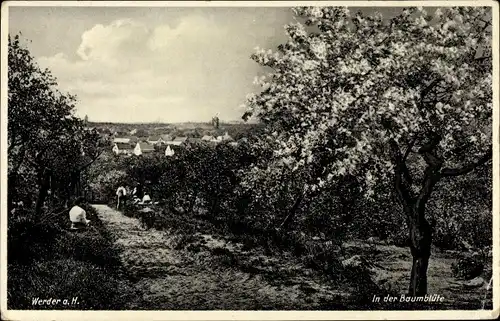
{"x":42,"y":194}
{"x":420,"y":231}
{"x":292,"y":212}
{"x":418,"y":282}
{"x":73,"y":185}
{"x":11,"y":190}
{"x":420,"y":246}
{"x":12,"y":179}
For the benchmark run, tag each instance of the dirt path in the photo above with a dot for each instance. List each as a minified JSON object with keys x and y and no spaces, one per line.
{"x":168,"y":278}
{"x":171,"y":271}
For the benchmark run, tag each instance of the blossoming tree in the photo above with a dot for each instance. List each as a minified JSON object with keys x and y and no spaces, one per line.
{"x":406,"y":100}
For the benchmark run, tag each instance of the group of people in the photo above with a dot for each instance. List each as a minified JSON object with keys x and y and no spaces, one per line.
{"x":137,"y":195}
{"x":78,"y":216}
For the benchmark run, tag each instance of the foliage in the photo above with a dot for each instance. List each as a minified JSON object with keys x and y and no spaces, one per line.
{"x":48,"y":150}
{"x":352,"y":108}
{"x":468,"y":266}
{"x":48,"y":147}
{"x":343,"y":87}
{"x":463,"y":212}
{"x":46,"y":260}
{"x":406,"y":100}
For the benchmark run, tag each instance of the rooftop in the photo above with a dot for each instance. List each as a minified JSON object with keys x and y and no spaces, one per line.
{"x":146,"y":146}
{"x":123,"y":146}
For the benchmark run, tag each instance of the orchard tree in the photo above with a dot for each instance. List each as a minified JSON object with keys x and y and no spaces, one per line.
{"x":45,"y":139}
{"x":406,"y":100}
{"x":33,"y":109}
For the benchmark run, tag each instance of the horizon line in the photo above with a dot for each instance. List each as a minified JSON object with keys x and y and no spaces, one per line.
{"x":167,"y":123}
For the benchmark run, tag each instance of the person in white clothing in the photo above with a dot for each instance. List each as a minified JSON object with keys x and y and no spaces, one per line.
{"x":121,"y":194}
{"x":146,"y":199}
{"x":78,"y":216}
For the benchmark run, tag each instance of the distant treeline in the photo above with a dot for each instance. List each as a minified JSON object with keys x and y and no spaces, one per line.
{"x":191,"y":129}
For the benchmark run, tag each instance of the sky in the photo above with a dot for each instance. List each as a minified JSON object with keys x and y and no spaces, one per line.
{"x":153,"y":64}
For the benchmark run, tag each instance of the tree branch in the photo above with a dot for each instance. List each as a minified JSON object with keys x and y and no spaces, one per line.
{"x":482,"y":58}
{"x":448,"y":172}
{"x":404,"y":168}
{"x":91,"y":162}
{"x":432,"y":144}
{"x":431,"y":159}
{"x":431,"y":177}
{"x":408,"y":149}
{"x":431,"y":174}
{"x":429,"y":87}
{"x":401,"y":190}
{"x":17,"y":141}
{"x":292,"y":211}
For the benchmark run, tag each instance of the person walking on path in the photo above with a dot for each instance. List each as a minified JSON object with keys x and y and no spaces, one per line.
{"x":121,"y":194}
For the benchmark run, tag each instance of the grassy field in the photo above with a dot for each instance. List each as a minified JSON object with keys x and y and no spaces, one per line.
{"x":118,"y":263}
{"x":176,"y":269}
{"x":47,"y":261}
{"x":394,"y":266}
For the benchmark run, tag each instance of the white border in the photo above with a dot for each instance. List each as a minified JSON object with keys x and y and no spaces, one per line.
{"x":247,"y":315}
{"x":361,"y":3}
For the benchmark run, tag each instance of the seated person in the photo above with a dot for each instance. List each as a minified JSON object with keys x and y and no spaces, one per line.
{"x":146,"y":199}
{"x":139,"y":193}
{"x":78,"y":216}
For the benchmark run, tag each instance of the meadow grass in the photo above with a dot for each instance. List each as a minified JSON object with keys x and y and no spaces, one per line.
{"x":48,"y":261}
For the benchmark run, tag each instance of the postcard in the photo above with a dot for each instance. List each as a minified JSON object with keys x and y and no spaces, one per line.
{"x":245,"y":160}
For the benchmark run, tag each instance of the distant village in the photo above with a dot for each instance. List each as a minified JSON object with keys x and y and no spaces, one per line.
{"x":142,"y":139}
{"x":128,"y":145}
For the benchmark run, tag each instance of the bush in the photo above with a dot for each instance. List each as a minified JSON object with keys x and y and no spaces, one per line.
{"x":462,"y":209}
{"x":217,"y":189}
{"x":28,"y":241}
{"x":358,"y":273}
{"x":324,"y":257}
{"x":46,"y":260}
{"x":95,"y":286}
{"x":104,"y":186}
{"x":468,"y":266}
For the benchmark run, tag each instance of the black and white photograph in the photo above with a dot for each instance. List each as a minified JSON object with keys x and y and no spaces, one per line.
{"x":287,"y":157}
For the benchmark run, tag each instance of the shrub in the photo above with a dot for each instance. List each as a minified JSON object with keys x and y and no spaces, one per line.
{"x":468,"y":266}
{"x":462,"y":208}
{"x":95,"y":286}
{"x":28,"y":240}
{"x":103,"y":188}
{"x":45,"y":260}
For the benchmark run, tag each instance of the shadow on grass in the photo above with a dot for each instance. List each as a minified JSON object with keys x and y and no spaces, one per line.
{"x":47,"y":261}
